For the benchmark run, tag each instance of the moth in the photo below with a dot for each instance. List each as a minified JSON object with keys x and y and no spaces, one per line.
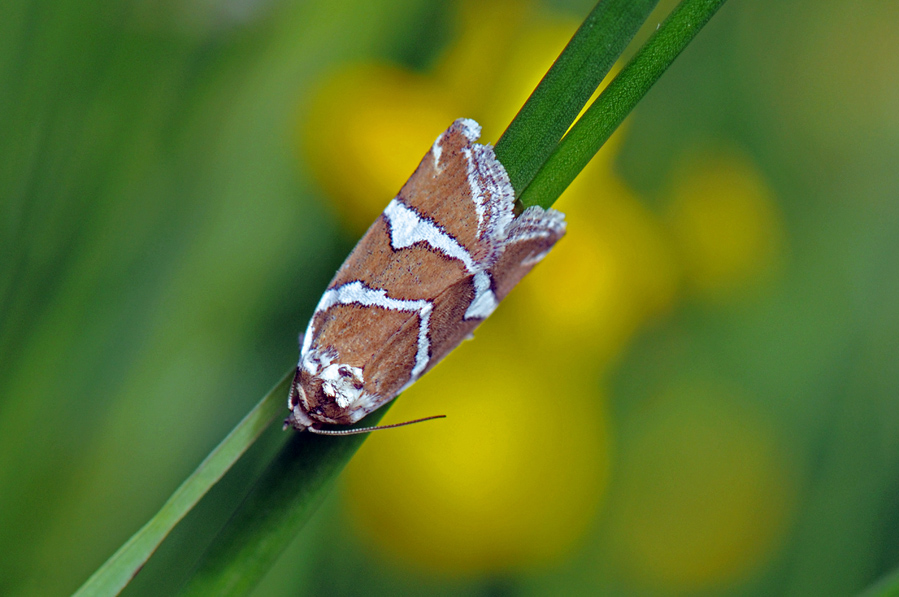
{"x":446,"y":250}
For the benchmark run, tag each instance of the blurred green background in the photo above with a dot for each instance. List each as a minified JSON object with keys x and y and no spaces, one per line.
{"x":697,"y":393}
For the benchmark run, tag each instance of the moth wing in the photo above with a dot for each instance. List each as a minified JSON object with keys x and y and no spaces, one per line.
{"x":447,"y":326}
{"x":463,"y":190}
{"x":445,"y":251}
{"x":388,"y":369}
{"x":531,"y":237}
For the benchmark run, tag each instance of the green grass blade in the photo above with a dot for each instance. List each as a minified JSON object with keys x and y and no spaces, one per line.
{"x":121,"y":567}
{"x":886,"y":587}
{"x":281,"y":502}
{"x":567,"y":86}
{"x":609,"y":110}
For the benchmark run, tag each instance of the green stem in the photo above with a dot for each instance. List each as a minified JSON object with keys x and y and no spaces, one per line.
{"x":567,"y":86}
{"x":617,"y":101}
{"x":121,"y":567}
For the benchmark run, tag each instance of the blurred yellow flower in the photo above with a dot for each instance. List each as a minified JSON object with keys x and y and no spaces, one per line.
{"x":613,"y":271}
{"x":511,"y":479}
{"x":724,"y":219}
{"x":704,"y":493}
{"x":380,"y":138}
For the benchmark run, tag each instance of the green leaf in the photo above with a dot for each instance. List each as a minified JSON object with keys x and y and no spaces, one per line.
{"x":566,"y":87}
{"x":121,"y":567}
{"x":617,"y":100}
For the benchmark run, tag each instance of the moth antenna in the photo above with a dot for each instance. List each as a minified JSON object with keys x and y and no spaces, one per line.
{"x":367,"y":429}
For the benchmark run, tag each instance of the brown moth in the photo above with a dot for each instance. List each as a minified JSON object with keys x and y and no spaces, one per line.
{"x":434,"y":265}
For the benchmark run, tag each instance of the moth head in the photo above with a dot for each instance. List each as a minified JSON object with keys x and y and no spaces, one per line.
{"x":325,"y":394}
{"x":299,"y":404}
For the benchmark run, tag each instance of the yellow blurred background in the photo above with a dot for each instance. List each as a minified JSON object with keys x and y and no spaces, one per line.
{"x":694,"y":394}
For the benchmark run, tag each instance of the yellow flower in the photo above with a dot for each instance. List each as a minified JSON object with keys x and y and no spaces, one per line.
{"x":511,"y":479}
{"x":363,"y":151}
{"x":613,"y":271}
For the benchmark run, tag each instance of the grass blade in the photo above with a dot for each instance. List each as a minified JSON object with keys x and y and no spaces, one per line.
{"x":121,"y":567}
{"x":281,"y":502}
{"x":886,"y":587}
{"x":567,"y":86}
{"x":609,"y":110}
